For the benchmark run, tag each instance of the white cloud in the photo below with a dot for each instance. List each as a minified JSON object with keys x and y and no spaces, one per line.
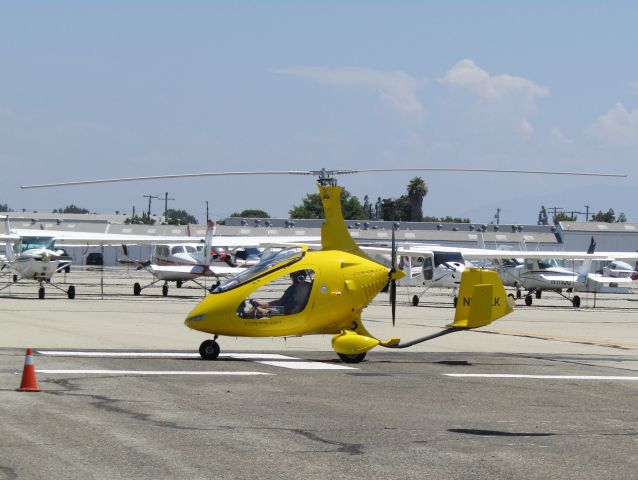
{"x":506,"y":98}
{"x":395,"y":89}
{"x":558,"y":136}
{"x":491,"y":87}
{"x":618,"y":127}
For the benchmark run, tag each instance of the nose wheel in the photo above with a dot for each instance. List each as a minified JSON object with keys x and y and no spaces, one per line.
{"x":209,"y":350}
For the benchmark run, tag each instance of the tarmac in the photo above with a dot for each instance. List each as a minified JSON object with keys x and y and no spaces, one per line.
{"x":547,"y":392}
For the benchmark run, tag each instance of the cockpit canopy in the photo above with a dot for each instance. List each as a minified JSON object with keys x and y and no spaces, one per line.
{"x":266,"y":265}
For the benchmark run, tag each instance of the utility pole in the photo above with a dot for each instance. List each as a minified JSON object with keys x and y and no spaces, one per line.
{"x":587,"y":213}
{"x":150,"y":197}
{"x":207,"y":217}
{"x":166,"y":199}
{"x":497,"y":217}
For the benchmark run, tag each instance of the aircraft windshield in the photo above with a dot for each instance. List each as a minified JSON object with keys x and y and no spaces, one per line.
{"x":267,"y":264}
{"x":31,"y":243}
{"x":445,"y":257}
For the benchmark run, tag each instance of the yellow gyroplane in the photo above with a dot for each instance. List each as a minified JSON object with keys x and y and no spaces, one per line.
{"x":330,"y":289}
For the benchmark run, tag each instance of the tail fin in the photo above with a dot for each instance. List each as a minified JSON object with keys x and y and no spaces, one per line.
{"x":8,"y":246}
{"x":208,"y":244}
{"x":585,"y":268}
{"x":481,"y":300}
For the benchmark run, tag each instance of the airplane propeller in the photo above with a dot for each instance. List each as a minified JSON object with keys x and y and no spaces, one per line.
{"x":393,"y":282}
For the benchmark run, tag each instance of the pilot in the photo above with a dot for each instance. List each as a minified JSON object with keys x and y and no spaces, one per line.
{"x":292,"y":301}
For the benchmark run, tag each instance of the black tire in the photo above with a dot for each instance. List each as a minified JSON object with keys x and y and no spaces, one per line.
{"x":518,"y":294}
{"x":528,"y":300}
{"x":351,"y":358}
{"x":415,"y":300}
{"x":41,"y":293}
{"x":137,"y":289}
{"x":165,"y":290}
{"x":455,"y":301}
{"x":178,"y":284}
{"x":15,"y":279}
{"x":67,"y":269}
{"x":576,"y":301}
{"x":209,"y":350}
{"x":71,"y":292}
{"x":538,"y":294}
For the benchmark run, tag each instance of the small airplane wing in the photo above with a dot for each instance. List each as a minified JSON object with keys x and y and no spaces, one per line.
{"x":188,"y":272}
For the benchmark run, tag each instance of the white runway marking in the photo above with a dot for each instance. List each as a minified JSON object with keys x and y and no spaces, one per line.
{"x":308,"y":365}
{"x":272,"y":359}
{"x":149,"y":372}
{"x":542,"y":377}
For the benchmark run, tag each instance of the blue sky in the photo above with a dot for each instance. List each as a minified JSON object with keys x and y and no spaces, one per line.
{"x":112,"y":89}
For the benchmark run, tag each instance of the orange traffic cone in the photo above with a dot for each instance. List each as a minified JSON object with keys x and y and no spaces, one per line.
{"x":29,"y":382}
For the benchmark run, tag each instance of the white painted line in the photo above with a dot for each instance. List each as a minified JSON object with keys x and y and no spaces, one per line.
{"x":308,"y":365}
{"x":542,"y":377}
{"x":149,"y":372}
{"x":56,"y":353}
{"x":240,"y":356}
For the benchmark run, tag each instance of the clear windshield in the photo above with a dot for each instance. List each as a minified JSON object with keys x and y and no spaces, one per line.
{"x":31,"y":243}
{"x":267,"y":264}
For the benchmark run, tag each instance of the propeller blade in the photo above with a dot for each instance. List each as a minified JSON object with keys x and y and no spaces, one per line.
{"x":393,"y":299}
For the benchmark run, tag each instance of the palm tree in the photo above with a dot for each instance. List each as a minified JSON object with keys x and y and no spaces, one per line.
{"x":417,"y":190}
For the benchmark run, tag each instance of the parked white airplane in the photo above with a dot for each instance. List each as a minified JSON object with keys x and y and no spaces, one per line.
{"x":184,"y":262}
{"x":32,"y":254}
{"x":33,"y":258}
{"x":532,"y":271}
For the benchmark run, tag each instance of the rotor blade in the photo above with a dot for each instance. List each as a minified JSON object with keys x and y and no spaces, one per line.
{"x":322,"y":174}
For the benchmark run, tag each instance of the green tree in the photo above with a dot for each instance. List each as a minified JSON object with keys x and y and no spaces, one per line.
{"x":4,"y":207}
{"x":608,"y":216}
{"x":417,"y":190}
{"x":622,"y":218}
{"x":71,"y":209}
{"x":251,"y":213}
{"x":446,"y":219}
{"x":181,"y":217}
{"x":563,"y":217}
{"x":396,"y":209}
{"x":311,"y":207}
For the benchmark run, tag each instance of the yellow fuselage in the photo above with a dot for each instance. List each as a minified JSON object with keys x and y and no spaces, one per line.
{"x":343,"y":286}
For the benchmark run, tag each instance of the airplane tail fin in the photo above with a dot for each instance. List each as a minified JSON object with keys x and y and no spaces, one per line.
{"x":481,"y":300}
{"x":585,"y":268}
{"x":208,"y":244}
{"x":8,"y":247}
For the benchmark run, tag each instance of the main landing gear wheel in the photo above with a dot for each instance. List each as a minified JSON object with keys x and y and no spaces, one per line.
{"x":454,"y":300}
{"x":538,"y":294}
{"x":67,"y":269}
{"x":71,"y":292}
{"x":209,"y":350}
{"x":351,"y":358}
{"x":165,"y":290}
{"x":41,"y":293}
{"x":137,"y":289}
{"x":415,"y":300}
{"x":178,"y":284}
{"x":518,"y":294}
{"x":576,"y":301}
{"x":528,"y":300}
{"x":15,"y":279}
